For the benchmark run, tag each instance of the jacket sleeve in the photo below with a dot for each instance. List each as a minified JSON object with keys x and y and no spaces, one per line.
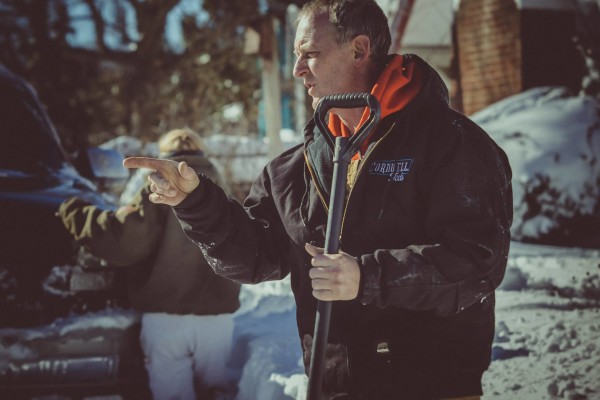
{"x":246,"y":243}
{"x":123,"y":239}
{"x":468,"y":213}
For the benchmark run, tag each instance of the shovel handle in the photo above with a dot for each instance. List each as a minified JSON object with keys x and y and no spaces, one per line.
{"x":348,"y":100}
{"x":343,"y":148}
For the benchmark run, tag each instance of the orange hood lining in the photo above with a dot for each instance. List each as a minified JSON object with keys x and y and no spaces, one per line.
{"x":396,"y":87}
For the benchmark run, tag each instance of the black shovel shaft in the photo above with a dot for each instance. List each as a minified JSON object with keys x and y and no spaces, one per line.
{"x":332,"y":246}
{"x":343,"y":150}
{"x":336,"y":202}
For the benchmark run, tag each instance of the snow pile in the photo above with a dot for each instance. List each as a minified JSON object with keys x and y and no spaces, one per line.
{"x":30,"y":344}
{"x":267,"y":360}
{"x":552,"y":140}
{"x":562,"y":271}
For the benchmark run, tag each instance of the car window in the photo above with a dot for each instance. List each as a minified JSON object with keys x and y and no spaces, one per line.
{"x":27,"y":137}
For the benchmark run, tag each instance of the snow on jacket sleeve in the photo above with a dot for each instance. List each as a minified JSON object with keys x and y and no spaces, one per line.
{"x":108,"y":236}
{"x":243,"y":243}
{"x":468,"y":200}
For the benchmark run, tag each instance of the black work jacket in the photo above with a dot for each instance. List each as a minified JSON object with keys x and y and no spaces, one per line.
{"x":428,"y":218}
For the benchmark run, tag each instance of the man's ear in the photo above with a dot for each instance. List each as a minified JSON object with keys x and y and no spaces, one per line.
{"x":361,"y":46}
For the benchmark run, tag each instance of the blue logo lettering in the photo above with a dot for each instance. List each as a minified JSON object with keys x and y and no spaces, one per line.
{"x":395,"y":170}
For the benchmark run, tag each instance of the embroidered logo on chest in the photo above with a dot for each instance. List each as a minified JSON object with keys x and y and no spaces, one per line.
{"x":395,"y":170}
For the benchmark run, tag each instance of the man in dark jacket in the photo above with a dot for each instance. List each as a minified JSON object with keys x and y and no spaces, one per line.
{"x":187,"y":322}
{"x":426,"y":227}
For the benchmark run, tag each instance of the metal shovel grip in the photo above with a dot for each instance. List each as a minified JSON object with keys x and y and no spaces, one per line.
{"x":343,"y":149}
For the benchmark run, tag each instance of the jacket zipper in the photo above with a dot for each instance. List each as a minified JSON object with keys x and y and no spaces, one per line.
{"x":363,"y":162}
{"x":360,"y":168}
{"x":312,"y":175}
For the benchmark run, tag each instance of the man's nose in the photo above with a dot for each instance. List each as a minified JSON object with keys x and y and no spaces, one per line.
{"x":300,"y":68}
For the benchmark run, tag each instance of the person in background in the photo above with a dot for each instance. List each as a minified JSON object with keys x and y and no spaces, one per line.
{"x":187,"y":323}
{"x":426,"y":228}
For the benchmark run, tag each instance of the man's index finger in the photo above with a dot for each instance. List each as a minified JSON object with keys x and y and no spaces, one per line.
{"x":143,"y":162}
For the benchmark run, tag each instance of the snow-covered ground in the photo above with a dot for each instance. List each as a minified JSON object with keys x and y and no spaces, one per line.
{"x":547,"y":343}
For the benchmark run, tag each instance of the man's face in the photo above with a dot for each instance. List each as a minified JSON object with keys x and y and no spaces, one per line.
{"x":325,"y":66}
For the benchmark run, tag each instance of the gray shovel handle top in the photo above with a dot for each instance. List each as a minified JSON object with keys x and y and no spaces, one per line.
{"x":343,"y":149}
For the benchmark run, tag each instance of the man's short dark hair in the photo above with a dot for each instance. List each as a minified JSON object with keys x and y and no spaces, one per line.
{"x":355,"y":17}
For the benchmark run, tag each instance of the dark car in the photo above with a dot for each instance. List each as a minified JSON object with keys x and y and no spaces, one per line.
{"x":65,"y":326}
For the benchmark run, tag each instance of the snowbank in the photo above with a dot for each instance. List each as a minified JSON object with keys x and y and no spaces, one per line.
{"x":552,"y":140}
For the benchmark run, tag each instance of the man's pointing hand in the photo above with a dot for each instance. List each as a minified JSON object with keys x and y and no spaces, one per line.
{"x":170,"y":182}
